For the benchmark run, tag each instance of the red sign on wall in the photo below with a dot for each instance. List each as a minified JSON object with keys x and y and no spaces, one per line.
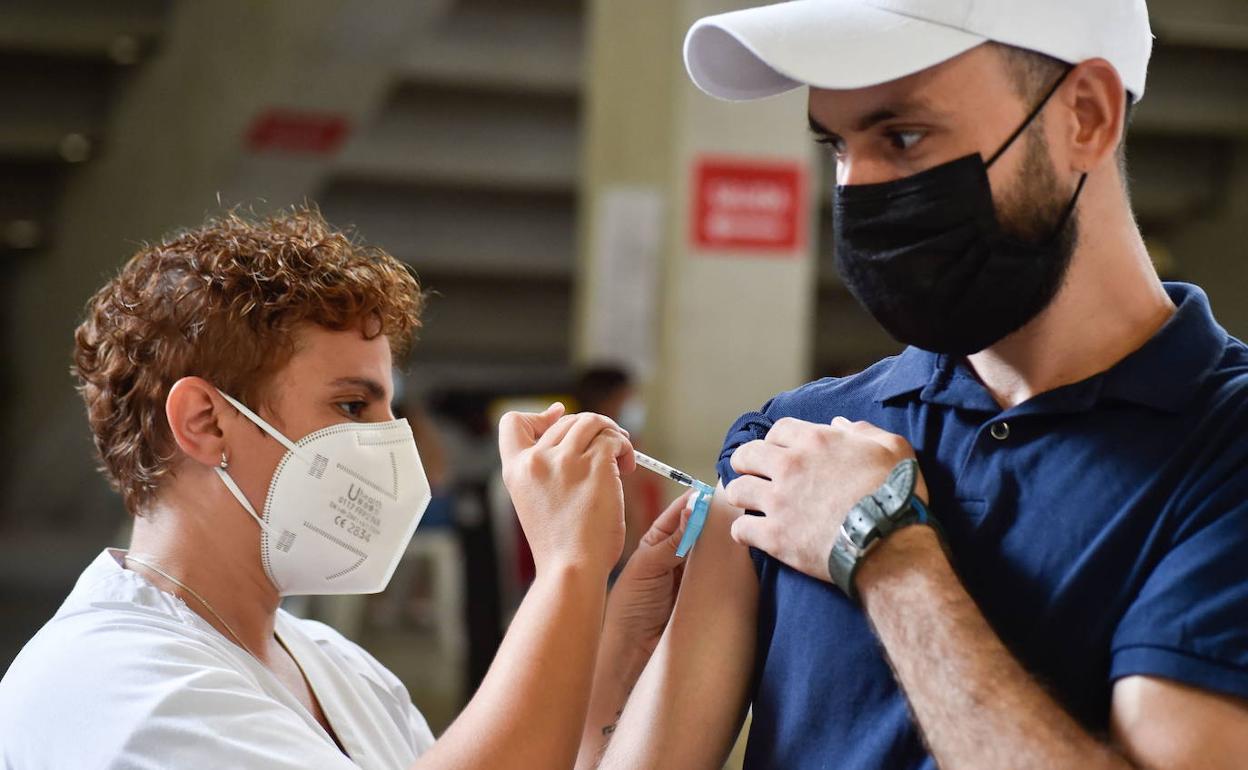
{"x":747,"y":205}
{"x":297,"y":131}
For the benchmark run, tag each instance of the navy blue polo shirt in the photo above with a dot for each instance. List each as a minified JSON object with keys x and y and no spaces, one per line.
{"x":1102,"y":528}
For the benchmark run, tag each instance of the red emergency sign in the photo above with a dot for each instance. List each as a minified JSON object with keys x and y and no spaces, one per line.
{"x":297,"y":131}
{"x":748,"y":205}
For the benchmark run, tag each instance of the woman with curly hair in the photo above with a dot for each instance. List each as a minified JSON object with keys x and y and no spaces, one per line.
{"x":237,"y":379}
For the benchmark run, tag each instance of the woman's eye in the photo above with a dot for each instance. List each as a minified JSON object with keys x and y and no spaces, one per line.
{"x":904,"y":140}
{"x":352,"y":409}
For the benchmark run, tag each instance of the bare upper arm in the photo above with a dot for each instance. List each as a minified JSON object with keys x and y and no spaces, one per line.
{"x":1161,"y":723}
{"x":688,"y":704}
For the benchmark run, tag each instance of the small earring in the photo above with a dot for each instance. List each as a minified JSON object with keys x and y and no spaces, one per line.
{"x":225,"y":463}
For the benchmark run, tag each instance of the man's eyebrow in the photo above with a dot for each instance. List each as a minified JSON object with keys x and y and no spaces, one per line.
{"x":899,"y":110}
{"x":374,"y":389}
{"x":817,"y":128}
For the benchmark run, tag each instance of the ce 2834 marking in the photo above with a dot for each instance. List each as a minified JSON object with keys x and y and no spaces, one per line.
{"x":351,"y":528}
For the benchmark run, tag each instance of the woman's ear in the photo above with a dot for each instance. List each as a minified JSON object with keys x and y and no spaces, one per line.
{"x":193,"y":410}
{"x":1097,"y":100}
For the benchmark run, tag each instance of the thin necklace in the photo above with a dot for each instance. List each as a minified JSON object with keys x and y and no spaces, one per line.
{"x":192,"y":592}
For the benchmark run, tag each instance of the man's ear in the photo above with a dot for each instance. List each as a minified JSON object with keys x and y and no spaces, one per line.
{"x":1097,"y":100}
{"x":194,"y":409}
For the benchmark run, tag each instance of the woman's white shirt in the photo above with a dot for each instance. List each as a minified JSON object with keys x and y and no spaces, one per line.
{"x":127,"y":676}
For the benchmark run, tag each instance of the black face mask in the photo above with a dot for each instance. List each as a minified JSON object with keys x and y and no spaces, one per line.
{"x":927,"y":257}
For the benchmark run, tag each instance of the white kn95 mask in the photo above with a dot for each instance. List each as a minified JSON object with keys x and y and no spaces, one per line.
{"x":341,"y":508}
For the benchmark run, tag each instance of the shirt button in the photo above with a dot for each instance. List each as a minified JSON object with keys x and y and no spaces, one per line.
{"x":1000,"y":430}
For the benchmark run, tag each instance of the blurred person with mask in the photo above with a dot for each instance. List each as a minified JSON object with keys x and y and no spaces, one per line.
{"x":1059,"y":581}
{"x":609,"y":389}
{"x":238,"y":381}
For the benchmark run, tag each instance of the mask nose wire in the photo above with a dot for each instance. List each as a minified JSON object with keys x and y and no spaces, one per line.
{"x":1026,"y":123}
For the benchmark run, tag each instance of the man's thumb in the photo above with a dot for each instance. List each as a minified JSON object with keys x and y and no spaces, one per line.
{"x":752,"y":531}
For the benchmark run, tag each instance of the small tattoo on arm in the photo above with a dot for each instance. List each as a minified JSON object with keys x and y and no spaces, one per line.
{"x":606,"y":731}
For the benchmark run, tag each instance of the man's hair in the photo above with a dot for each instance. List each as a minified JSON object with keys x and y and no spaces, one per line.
{"x":1033,"y":73}
{"x":224,"y":302}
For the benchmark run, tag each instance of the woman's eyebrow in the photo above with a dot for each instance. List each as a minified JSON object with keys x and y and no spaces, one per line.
{"x":374,"y":389}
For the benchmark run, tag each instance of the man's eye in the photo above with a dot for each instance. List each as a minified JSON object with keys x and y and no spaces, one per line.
{"x":352,"y":409}
{"x":835,"y":144}
{"x":904,"y":140}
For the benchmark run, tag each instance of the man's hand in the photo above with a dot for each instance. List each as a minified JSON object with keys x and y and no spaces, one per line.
{"x":563,"y":473}
{"x":805,"y":477}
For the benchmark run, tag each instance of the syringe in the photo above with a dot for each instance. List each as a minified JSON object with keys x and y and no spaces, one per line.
{"x":663,"y":469}
{"x":700,"y":502}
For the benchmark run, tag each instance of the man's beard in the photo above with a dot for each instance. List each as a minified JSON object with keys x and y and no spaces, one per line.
{"x":1033,"y":213}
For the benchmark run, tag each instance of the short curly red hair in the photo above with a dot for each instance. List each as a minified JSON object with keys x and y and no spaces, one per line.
{"x":222,"y":301}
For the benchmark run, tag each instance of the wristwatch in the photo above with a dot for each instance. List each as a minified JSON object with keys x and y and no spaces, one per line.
{"x":874,"y":518}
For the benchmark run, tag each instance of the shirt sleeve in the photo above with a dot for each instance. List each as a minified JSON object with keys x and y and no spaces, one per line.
{"x":118,"y":697}
{"x":750,"y":426}
{"x":1189,"y":622}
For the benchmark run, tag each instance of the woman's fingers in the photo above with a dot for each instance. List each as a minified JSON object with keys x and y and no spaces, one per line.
{"x":585,"y":429}
{"x":668,"y":521}
{"x":518,"y":431}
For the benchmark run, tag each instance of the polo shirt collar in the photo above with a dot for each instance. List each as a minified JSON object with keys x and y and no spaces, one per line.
{"x":1163,"y":374}
{"x":1172,"y":366}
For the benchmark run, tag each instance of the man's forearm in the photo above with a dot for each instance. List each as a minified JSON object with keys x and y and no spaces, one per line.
{"x":530,"y":710}
{"x":974,"y":702}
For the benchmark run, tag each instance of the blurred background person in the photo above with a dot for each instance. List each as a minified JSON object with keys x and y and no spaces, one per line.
{"x":609,"y":389}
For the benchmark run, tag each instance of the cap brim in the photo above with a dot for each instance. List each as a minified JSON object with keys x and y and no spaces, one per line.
{"x":835,"y":44}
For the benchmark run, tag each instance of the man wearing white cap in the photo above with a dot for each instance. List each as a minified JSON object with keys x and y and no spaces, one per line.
{"x":1037,"y":514}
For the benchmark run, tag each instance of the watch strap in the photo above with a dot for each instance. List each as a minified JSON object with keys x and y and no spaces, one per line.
{"x":874,"y":517}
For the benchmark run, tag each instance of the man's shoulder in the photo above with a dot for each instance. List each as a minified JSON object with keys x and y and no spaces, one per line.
{"x":1230,"y":375}
{"x":853,"y":396}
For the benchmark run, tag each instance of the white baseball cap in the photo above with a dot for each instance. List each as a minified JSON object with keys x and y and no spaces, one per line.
{"x":841,"y":44}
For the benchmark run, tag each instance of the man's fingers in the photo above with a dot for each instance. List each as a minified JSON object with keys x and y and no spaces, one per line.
{"x":755,"y":532}
{"x":759,"y":458}
{"x":749,"y":493}
{"x":890,"y":441}
{"x":518,"y":431}
{"x":789,"y":432}
{"x":668,"y":521}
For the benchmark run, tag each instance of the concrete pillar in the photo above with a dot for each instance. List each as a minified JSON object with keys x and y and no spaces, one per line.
{"x":719,"y":329}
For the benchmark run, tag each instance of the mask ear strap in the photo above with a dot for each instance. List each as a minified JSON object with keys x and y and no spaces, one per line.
{"x":269,"y":429}
{"x":242,"y":500}
{"x":1038,"y":108}
{"x":1070,"y":207}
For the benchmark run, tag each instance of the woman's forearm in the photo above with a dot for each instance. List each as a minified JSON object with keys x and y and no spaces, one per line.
{"x":530,"y":709}
{"x":619,"y":664}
